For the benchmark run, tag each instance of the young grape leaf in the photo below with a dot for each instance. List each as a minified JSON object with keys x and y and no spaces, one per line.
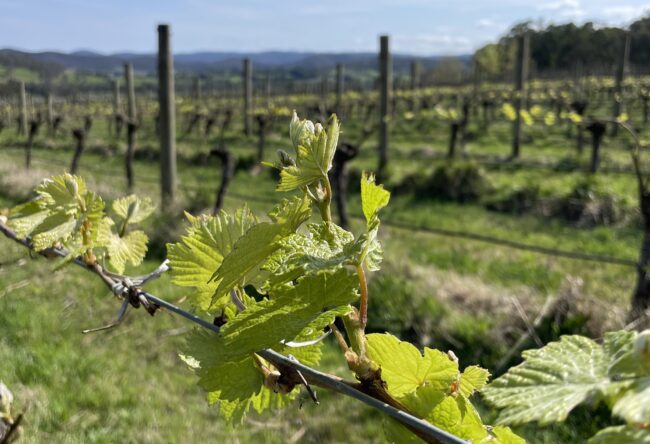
{"x":25,"y":217}
{"x":252,"y":249}
{"x":131,"y":248}
{"x":64,"y":212}
{"x":620,"y":435}
{"x":404,"y":368}
{"x":504,"y":435}
{"x":286,"y":316}
{"x":201,"y":251}
{"x":554,"y":379}
{"x":132,"y":209}
{"x":454,"y":414}
{"x":315,"y":149}
{"x":634,"y":405}
{"x":223,"y":361}
{"x":473,"y":379}
{"x":373,"y":198}
{"x":288,"y":311}
{"x":57,"y":227}
{"x":324,"y":246}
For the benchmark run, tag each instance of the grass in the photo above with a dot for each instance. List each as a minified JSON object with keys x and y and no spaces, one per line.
{"x":128,"y":385}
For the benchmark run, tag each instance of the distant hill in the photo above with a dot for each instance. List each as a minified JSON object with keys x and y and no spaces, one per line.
{"x":203,"y":62}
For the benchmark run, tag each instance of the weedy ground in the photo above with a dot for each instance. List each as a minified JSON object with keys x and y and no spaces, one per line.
{"x":128,"y":384}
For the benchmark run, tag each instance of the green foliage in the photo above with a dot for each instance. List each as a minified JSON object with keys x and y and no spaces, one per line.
{"x":251,"y":250}
{"x":201,"y":251}
{"x":553,"y":380}
{"x":277,"y":286}
{"x":65,"y":214}
{"x":404,"y":369}
{"x":132,"y":210}
{"x":431,"y":386}
{"x":314,"y":147}
{"x":129,"y":248}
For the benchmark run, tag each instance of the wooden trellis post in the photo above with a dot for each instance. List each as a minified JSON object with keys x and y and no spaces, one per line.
{"x":23,"y":108}
{"x":50,"y":113}
{"x":131,"y":124}
{"x":339,"y":88}
{"x":167,"y":106}
{"x":385,"y":86}
{"x":621,"y":70}
{"x":248,"y":97}
{"x":521,"y":76}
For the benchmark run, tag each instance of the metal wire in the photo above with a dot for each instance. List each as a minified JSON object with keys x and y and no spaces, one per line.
{"x":322,"y":379}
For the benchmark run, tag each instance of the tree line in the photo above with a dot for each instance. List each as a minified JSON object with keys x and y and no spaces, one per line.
{"x":583,"y":49}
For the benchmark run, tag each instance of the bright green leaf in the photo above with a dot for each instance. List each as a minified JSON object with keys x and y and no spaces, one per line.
{"x":404,"y":368}
{"x":252,"y":249}
{"x":373,"y":198}
{"x":132,"y":209}
{"x":200,"y":252}
{"x":473,"y":379}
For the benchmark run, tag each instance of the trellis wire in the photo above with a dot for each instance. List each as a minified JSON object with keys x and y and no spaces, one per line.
{"x":312,"y":375}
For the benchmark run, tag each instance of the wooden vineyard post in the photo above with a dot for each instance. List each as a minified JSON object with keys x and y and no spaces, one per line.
{"x":23,"y":108}
{"x":50,"y":113}
{"x":620,"y":78}
{"x":416,"y":69}
{"x":33,"y":130}
{"x":248,"y":97}
{"x":130,"y":124}
{"x":166,"y":103}
{"x":415,"y":75}
{"x":521,"y":75}
{"x":339,"y":88}
{"x":385,"y":86}
{"x":267,"y":90}
{"x":130,"y":89}
{"x":116,"y":108}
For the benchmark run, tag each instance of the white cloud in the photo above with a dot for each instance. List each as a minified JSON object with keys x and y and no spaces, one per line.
{"x":437,"y":43}
{"x":487,"y":23}
{"x":566,"y":9}
{"x":624,"y":13}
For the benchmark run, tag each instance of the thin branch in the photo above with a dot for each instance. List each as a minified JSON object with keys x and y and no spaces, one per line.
{"x":358,"y":391}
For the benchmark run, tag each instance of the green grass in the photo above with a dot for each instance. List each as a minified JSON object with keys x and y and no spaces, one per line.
{"x":128,"y":385}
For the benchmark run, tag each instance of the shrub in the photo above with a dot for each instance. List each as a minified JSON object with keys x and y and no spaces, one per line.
{"x":517,"y":201}
{"x":590,"y":203}
{"x":455,"y":181}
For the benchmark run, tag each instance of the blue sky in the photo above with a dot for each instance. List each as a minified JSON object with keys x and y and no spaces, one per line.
{"x":415,"y":26}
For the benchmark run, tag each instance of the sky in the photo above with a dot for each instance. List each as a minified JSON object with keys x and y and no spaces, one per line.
{"x":423,"y":27}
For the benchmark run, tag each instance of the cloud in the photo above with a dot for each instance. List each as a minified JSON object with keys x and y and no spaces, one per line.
{"x":487,"y":23}
{"x":624,"y":13}
{"x":571,"y":9}
{"x":438,"y":43}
